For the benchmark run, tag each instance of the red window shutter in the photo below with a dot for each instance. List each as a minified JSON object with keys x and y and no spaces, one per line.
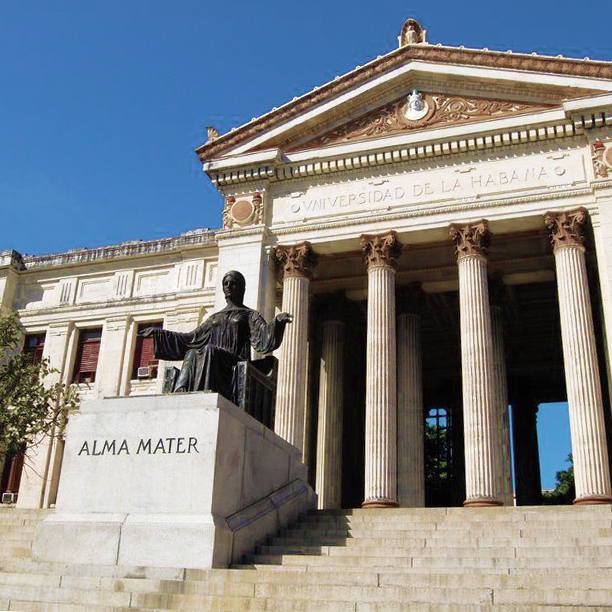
{"x":88,"y":351}
{"x":33,"y":347}
{"x":144,"y":352}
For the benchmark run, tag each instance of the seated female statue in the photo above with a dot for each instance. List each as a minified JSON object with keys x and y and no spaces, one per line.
{"x":211,"y":351}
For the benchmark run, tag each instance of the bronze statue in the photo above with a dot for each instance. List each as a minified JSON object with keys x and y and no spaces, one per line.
{"x":211,"y":351}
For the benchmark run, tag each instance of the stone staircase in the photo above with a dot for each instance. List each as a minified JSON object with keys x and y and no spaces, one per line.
{"x":555,"y":559}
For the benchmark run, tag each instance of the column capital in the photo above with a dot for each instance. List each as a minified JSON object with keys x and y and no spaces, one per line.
{"x":471,"y":239}
{"x":380,"y":250}
{"x":296,"y":260}
{"x":566,"y":227}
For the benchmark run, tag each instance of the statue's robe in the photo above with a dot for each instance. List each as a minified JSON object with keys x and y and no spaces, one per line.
{"x":211,"y":351}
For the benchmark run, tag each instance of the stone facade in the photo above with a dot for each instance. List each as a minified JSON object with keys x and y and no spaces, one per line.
{"x":442,"y":167}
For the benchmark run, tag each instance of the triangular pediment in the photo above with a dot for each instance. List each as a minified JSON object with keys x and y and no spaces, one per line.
{"x":459,"y":87}
{"x":420,"y":110}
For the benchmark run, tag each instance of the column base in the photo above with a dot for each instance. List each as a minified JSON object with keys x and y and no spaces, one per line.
{"x":482,"y":502}
{"x":379,"y":503}
{"x":591,"y":500}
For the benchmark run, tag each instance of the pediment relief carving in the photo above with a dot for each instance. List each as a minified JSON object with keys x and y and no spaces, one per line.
{"x":420,"y":111}
{"x":601,"y":155}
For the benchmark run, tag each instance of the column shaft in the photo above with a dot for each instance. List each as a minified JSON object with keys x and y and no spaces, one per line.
{"x":482,"y":436}
{"x":290,"y":413}
{"x":291,"y":386}
{"x":526,"y":452}
{"x":500,"y":391}
{"x":589,"y":446}
{"x":381,"y":374}
{"x":329,"y":435}
{"x":410,"y":420}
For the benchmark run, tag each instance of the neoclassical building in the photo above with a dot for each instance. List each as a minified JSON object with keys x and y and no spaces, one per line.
{"x":439,"y":223}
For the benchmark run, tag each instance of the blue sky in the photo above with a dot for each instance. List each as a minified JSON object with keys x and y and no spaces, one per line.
{"x":103,"y":101}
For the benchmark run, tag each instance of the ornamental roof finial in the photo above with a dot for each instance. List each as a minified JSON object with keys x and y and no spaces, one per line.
{"x":412,"y":34}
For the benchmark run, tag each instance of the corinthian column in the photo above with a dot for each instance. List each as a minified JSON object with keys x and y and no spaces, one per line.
{"x":482,"y":436}
{"x":589,"y":448}
{"x":500,"y":389}
{"x":329,"y":435}
{"x":410,"y":423}
{"x":381,"y":399}
{"x":297,"y":263}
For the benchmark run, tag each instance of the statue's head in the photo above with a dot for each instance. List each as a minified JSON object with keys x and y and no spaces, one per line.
{"x":234,"y":286}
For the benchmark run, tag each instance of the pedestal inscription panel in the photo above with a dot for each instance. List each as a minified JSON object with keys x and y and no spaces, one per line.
{"x":186,"y":480}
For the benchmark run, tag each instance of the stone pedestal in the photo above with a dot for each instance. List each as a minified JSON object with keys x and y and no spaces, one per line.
{"x":410,"y":422}
{"x":381,"y":385}
{"x":186,"y":480}
{"x":482,"y":436}
{"x":331,"y":398}
{"x":297,"y":262}
{"x":589,"y":447}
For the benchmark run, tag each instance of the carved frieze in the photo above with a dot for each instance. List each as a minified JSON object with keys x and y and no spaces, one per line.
{"x":471,"y":238}
{"x":243,"y":211}
{"x":601,"y":154}
{"x":379,"y":249}
{"x":296,"y":260}
{"x":435,"y":110}
{"x":566,"y":228}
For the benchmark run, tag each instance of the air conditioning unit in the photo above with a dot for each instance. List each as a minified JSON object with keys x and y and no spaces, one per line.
{"x":144,"y":372}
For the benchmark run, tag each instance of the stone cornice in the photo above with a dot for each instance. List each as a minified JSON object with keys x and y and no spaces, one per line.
{"x":133,"y":306}
{"x":384,"y":64}
{"x":428,"y":148}
{"x":128,"y":249}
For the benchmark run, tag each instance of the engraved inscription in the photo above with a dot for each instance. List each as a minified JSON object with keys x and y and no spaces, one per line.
{"x":144,"y":446}
{"x":434,"y":184}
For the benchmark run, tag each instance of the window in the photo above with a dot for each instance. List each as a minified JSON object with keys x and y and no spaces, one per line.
{"x":34,"y":346}
{"x":86,"y":360}
{"x":145,"y":364}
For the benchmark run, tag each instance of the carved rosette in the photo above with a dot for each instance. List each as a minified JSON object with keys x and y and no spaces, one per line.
{"x":566,"y":228}
{"x":380,"y":250}
{"x":242,"y":212}
{"x":296,"y":260}
{"x":471,"y":239}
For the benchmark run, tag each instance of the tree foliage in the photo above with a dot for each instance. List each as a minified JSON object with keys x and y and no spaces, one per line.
{"x":565,"y":491}
{"x":30,"y":406}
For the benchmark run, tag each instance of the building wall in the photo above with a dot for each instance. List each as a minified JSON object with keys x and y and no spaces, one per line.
{"x":115,"y":289}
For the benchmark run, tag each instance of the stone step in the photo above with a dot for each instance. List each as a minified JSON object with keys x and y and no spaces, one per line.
{"x":468,"y":527}
{"x":374,"y":593}
{"x":376,"y":550}
{"x":436,"y":541}
{"x":395,"y":606}
{"x":465,"y":515}
{"x":26,"y":565}
{"x":63,"y":595}
{"x":433,"y":562}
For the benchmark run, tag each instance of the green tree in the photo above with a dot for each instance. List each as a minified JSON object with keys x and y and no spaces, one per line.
{"x":31,"y":407}
{"x":565,"y":491}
